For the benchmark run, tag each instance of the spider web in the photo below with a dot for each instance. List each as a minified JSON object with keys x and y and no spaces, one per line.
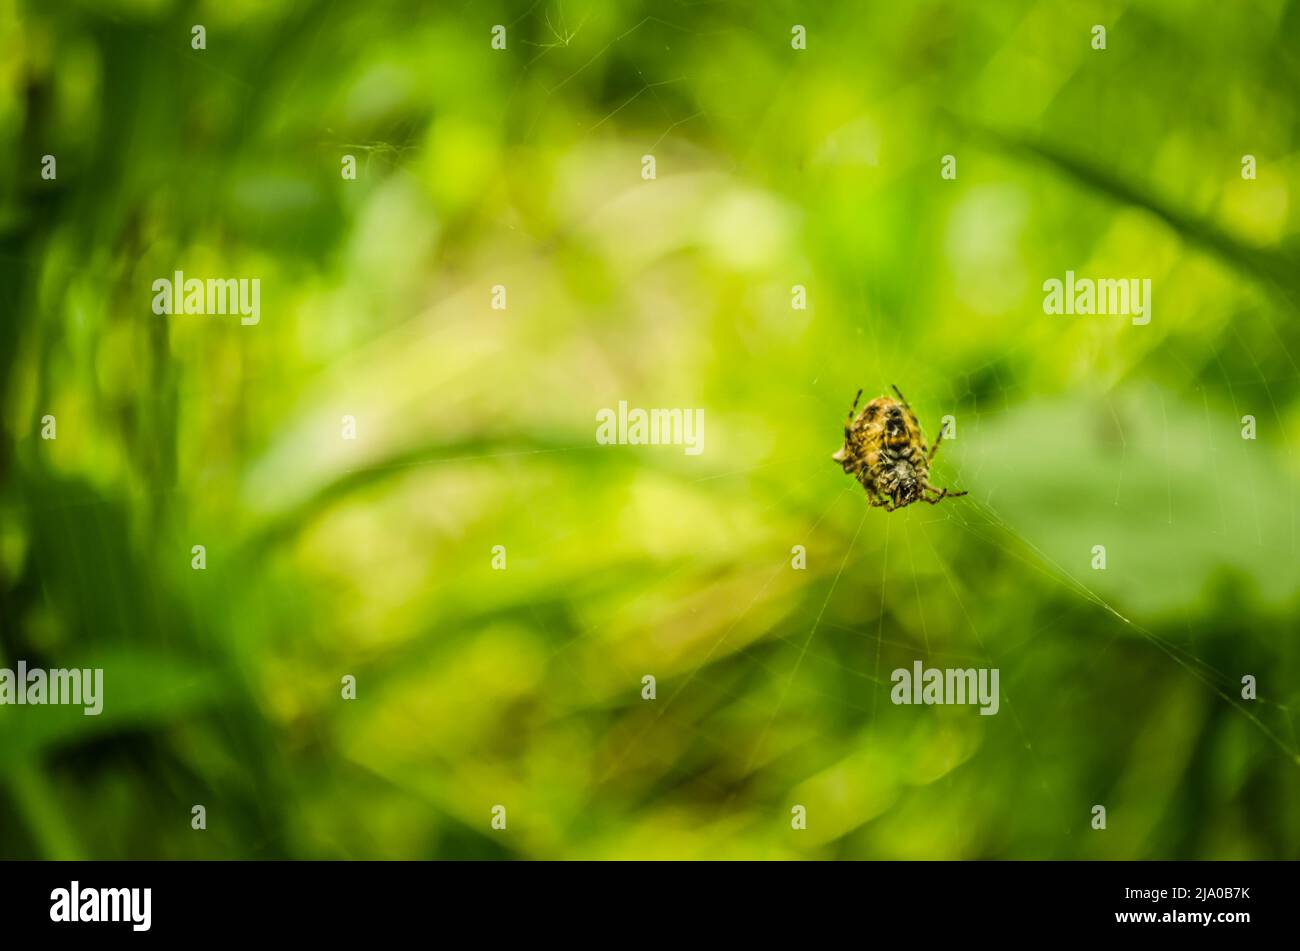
{"x":889,"y":563}
{"x":905,"y":563}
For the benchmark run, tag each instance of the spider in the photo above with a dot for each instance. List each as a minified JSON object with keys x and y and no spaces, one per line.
{"x":885,"y":450}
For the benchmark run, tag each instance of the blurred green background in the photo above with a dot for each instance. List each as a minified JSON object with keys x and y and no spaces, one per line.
{"x":475,"y":428}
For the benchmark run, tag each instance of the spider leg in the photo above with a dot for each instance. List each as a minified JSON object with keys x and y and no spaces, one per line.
{"x":935,"y":447}
{"x":945,"y":494}
{"x":900,"y":394}
{"x":843,"y":452}
{"x":851,"y":414}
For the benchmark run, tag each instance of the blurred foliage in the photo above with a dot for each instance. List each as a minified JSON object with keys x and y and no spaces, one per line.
{"x":476,"y":428}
